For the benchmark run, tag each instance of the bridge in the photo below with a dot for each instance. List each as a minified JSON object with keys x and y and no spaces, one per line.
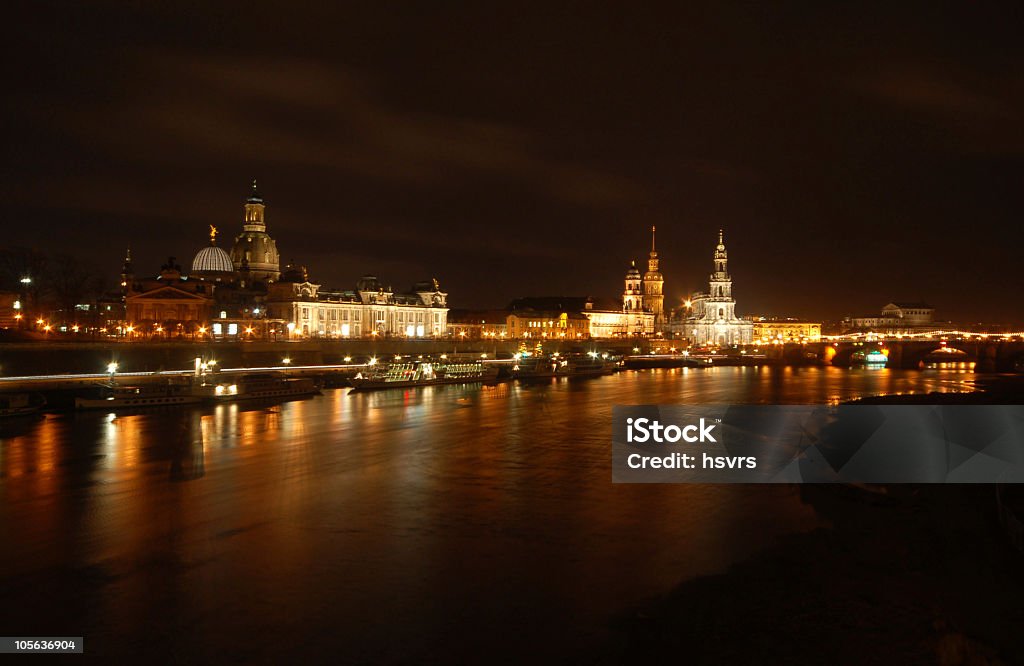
{"x":990,"y":352}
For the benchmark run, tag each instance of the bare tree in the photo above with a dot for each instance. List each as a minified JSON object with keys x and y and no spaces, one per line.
{"x":72,"y":282}
{"x":22,"y":270}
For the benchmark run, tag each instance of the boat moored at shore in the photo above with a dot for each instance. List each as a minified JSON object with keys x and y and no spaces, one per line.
{"x":21,"y":404}
{"x":257,"y":386}
{"x":111,"y":395}
{"x":424,"y":373}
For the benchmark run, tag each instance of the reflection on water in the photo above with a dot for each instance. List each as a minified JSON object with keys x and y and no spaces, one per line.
{"x":403,"y":524}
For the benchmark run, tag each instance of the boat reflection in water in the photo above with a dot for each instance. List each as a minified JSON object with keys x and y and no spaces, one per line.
{"x":351,"y":519}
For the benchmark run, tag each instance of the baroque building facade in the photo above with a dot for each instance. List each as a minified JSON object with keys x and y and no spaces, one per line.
{"x":243,"y":294}
{"x":370,"y":310}
{"x":654,"y":287}
{"x":710,"y":317}
{"x":895,"y":318}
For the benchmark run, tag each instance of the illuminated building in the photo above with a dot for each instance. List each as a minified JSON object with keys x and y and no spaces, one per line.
{"x":254,"y":254}
{"x":477,"y":324}
{"x":606,"y":318}
{"x":212,"y":263}
{"x":369,"y":310}
{"x":548,"y":324}
{"x":654,"y":287}
{"x":633,"y":295}
{"x":10,"y":308}
{"x":243,"y":295}
{"x":711,"y":317}
{"x":171,"y":302}
{"x":895,"y":318}
{"x":785,"y":330}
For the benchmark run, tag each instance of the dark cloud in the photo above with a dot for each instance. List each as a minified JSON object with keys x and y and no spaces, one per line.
{"x":853,"y":155}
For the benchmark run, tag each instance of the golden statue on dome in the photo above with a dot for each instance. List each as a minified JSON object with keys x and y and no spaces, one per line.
{"x":213,"y":235}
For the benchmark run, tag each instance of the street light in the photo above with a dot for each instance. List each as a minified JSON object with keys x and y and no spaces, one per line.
{"x":286,"y":360}
{"x":112,"y":369}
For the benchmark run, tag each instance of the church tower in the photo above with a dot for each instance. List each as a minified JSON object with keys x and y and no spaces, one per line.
{"x":721,"y":283}
{"x":654,"y":285}
{"x":127,"y":273}
{"x":633,"y":296}
{"x":254,"y":254}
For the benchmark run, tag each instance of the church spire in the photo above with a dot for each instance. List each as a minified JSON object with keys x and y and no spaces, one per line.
{"x":127,"y":272}
{"x":254,"y":207}
{"x":254,"y":195}
{"x":721,"y":258}
{"x":654,"y":285}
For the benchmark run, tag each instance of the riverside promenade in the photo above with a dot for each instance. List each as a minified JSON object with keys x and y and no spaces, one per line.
{"x":59,"y":358}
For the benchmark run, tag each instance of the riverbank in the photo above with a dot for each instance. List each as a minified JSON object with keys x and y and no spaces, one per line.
{"x":908,"y":575}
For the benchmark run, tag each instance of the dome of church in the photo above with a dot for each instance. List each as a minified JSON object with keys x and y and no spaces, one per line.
{"x":256,"y":253}
{"x":212,"y":259}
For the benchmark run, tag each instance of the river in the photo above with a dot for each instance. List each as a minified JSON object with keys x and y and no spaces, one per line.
{"x":445,"y":524}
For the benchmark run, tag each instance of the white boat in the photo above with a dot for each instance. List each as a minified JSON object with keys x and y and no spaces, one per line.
{"x":118,"y":396}
{"x":425,"y":373}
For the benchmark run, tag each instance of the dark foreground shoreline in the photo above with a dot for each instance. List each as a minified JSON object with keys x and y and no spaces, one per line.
{"x":905,"y":574}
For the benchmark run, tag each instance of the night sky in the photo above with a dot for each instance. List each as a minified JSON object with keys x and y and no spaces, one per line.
{"x":854,"y":155}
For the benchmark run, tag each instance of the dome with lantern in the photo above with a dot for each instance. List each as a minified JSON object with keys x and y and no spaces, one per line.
{"x":212,"y":262}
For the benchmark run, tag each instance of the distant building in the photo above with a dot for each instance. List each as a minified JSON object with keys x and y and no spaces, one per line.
{"x":10,"y":309}
{"x":548,"y":324}
{"x":244,"y":294}
{"x":895,"y":318}
{"x":710,"y":318}
{"x":254,"y":255}
{"x":477,"y":324}
{"x":766,"y":331}
{"x":606,"y":318}
{"x":167,"y":305}
{"x":371,"y":309}
{"x":654,"y":288}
